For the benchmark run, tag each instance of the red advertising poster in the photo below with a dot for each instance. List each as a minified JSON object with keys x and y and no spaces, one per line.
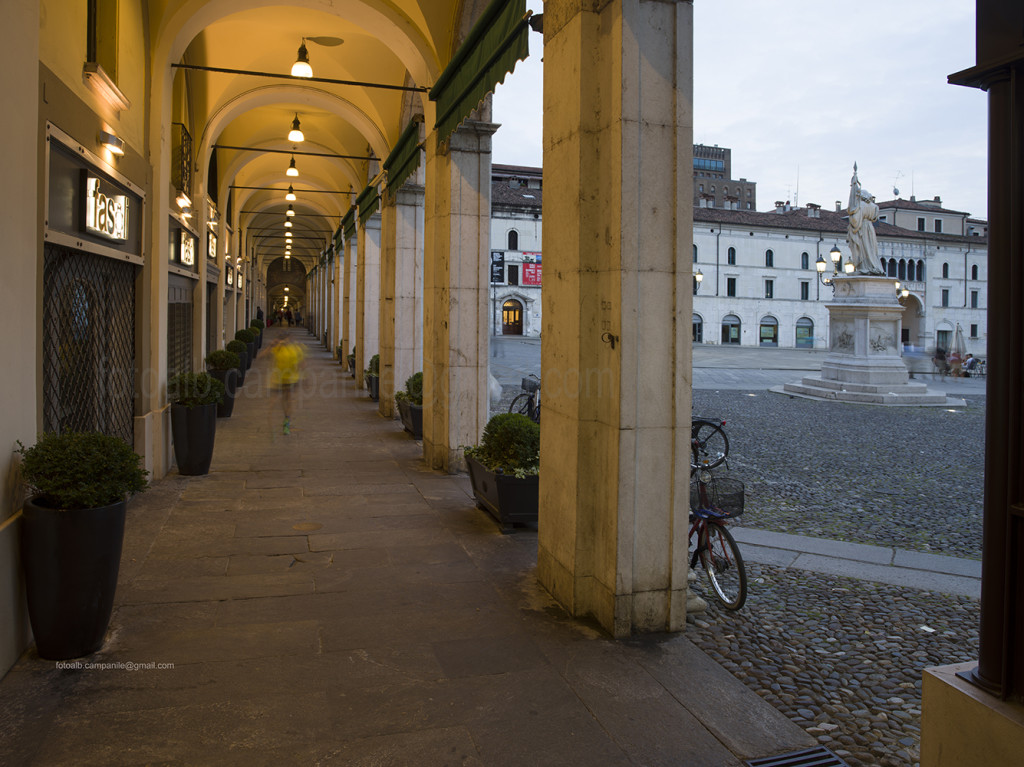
{"x":531,"y":274}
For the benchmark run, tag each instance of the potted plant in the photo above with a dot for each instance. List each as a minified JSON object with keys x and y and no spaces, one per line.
{"x":243,"y":358}
{"x":341,"y":355}
{"x":504,"y":469}
{"x":410,"y":405}
{"x":194,"y":398}
{"x":257,"y":326}
{"x":372,"y":375}
{"x":352,"y":362}
{"x":247,"y":338}
{"x":223,"y":365}
{"x":71,"y":536}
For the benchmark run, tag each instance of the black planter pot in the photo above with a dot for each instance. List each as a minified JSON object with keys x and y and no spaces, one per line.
{"x":259,"y":340}
{"x":251,"y":347}
{"x":71,"y":560}
{"x":412,"y":417}
{"x":193,"y":430}
{"x":373,"y":386}
{"x":243,"y":365}
{"x":352,"y":364}
{"x":508,"y":499}
{"x":230,"y":380}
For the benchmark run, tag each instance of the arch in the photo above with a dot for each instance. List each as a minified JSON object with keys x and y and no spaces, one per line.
{"x":901,"y":272}
{"x":911,"y":270}
{"x":511,"y":317}
{"x":769,"y":257}
{"x":945,"y":271}
{"x":805,"y":260}
{"x":974,"y":271}
{"x":731,"y":328}
{"x":892,"y":267}
{"x":513,"y":240}
{"x":698,"y":329}
{"x":805,"y":333}
{"x":768,"y":331}
{"x":731,"y":257}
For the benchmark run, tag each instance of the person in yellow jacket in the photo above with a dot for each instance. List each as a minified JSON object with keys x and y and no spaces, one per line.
{"x":287,"y":373}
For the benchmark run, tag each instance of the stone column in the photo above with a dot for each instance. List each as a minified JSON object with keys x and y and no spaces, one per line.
{"x":455,"y":292}
{"x":367,"y":293}
{"x":336,"y":269}
{"x":409,"y":237}
{"x":616,"y":358}
{"x":386,"y":327}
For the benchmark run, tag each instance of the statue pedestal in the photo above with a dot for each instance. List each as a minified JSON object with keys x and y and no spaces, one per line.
{"x":864,"y":364}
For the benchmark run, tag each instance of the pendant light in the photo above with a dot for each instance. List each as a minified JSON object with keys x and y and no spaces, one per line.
{"x":295,"y":134}
{"x":301,"y":67}
{"x":291,"y":194}
{"x":292,"y":170}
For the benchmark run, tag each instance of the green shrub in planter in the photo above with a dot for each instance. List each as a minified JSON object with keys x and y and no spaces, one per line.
{"x":258,"y":323}
{"x":78,"y":470}
{"x":245,"y":336}
{"x":236,"y":346}
{"x":374,"y":368}
{"x":195,"y":389}
{"x":413,"y":392}
{"x":510,"y":445}
{"x":222,"y":359}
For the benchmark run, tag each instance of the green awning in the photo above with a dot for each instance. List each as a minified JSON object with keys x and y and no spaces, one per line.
{"x":405,"y":157}
{"x":495,"y":43}
{"x":349,"y":224}
{"x":339,"y":237}
{"x":368,"y":201}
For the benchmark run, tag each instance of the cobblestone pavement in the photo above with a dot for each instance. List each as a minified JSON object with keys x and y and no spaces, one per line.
{"x":842,"y":658}
{"x":909,"y":478}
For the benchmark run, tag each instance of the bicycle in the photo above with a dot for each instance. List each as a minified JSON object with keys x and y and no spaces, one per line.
{"x":709,"y":445}
{"x":713,"y":502}
{"x":528,"y":403}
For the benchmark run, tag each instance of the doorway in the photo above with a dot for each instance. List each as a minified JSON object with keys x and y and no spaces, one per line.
{"x":512,"y":318}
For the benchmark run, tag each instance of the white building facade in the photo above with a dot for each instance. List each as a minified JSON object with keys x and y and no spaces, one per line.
{"x":516,"y":259}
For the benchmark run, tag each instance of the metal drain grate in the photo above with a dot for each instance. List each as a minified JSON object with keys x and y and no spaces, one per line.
{"x":813,"y":757}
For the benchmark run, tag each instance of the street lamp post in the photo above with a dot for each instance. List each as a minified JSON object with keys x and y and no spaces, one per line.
{"x":836,"y":256}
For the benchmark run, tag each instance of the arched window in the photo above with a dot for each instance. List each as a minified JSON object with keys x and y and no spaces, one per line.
{"x":698,"y":329}
{"x":512,"y":318}
{"x":805,"y":261}
{"x":695,"y":253}
{"x":513,"y":239}
{"x":892,"y":267}
{"x":769,"y":258}
{"x":920,"y":270}
{"x":732,"y":257}
{"x":805,"y":333}
{"x":769,"y":331}
{"x":902,"y":271}
{"x":945,"y":271}
{"x":730,"y":329}
{"x":974,"y":272}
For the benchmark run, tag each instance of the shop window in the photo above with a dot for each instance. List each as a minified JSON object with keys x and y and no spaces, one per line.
{"x":804,"y":333}
{"x":698,"y":329}
{"x":768,"y":334}
{"x":731,"y":329}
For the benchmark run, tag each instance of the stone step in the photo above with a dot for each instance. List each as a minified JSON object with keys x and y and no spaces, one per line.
{"x":866,"y":388}
{"x":896,"y":395}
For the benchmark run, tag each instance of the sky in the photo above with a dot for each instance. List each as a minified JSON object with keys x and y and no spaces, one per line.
{"x":802,"y":89}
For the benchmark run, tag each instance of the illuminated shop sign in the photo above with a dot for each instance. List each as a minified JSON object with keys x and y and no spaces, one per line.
{"x":105,"y":214}
{"x":211,"y":246}
{"x":229,"y":274}
{"x":188,"y":249}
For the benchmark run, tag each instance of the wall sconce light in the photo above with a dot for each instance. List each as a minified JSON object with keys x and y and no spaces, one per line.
{"x":295,"y":134}
{"x":292,"y":170}
{"x":291,"y":194}
{"x":183,"y":199}
{"x":301,"y":67}
{"x":112,"y":142}
{"x":698,"y":278}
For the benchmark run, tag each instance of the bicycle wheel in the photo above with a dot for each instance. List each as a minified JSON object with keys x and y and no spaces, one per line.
{"x":522,"y":404}
{"x":708,"y":444}
{"x":723,"y":565}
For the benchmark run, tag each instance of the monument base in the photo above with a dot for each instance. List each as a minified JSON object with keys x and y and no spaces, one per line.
{"x":864,"y":364}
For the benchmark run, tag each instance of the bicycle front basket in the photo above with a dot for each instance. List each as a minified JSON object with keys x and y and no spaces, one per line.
{"x":530,"y":385}
{"x":724,"y":494}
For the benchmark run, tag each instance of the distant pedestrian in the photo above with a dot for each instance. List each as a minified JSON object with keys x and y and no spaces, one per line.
{"x":939,"y":360}
{"x":288,"y":363}
{"x":288,"y":317}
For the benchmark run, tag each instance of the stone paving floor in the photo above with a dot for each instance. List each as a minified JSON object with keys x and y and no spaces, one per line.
{"x":323,"y":599}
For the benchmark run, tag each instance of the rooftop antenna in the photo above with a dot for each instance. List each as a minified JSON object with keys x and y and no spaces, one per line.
{"x":796,"y":197}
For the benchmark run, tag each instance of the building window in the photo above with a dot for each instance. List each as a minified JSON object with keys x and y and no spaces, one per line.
{"x":945,"y":271}
{"x":901,"y":271}
{"x":938,"y":225}
{"x":974,"y":299}
{"x":883,"y":218}
{"x":513,"y":240}
{"x":730,"y":286}
{"x":513,"y":274}
{"x":804,"y":333}
{"x":730,"y":329}
{"x":974,"y":331}
{"x":920,"y":270}
{"x":698,"y":329}
{"x":712,"y":189}
{"x":920,"y":224}
{"x":694,"y":254}
{"x":731,"y":258}
{"x":974,"y":272}
{"x":945,"y":297}
{"x":769,"y":258}
{"x":805,"y":291}
{"x":769,"y":332}
{"x":805,"y":261}
{"x":942,"y":338}
{"x":702,"y":186}
{"x":910,"y":270}
{"x":891,"y":271}
{"x":769,"y":288}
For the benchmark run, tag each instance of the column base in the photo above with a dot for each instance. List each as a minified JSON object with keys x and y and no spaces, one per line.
{"x":964,"y":725}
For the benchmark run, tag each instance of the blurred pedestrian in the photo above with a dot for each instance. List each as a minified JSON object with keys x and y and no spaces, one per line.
{"x":288,"y":365}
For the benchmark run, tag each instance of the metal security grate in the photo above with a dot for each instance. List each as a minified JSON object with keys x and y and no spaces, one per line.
{"x":813,"y":757}
{"x":88,"y":343}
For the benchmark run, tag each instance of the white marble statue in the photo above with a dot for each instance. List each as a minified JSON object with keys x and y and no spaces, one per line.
{"x":860,"y":232}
